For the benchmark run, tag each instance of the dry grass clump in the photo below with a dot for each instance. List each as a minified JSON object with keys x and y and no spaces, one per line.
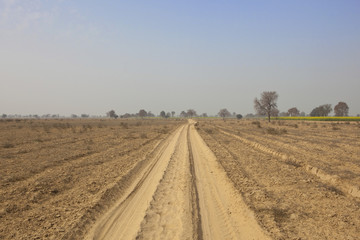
{"x":208,"y":131}
{"x":274,"y":131}
{"x":8,"y":145}
{"x":124,"y":125}
{"x":335,"y":126}
{"x":257,"y":123}
{"x":280,"y":123}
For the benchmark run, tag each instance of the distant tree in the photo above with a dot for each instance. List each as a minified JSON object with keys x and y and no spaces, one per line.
{"x":283,"y":114}
{"x":293,"y":112}
{"x":239,"y":116}
{"x":341,"y":109}
{"x":4,"y":116}
{"x":112,"y":114}
{"x":302,"y":114}
{"x":315,"y":112}
{"x":150,"y":114}
{"x":191,"y":113}
{"x":142,"y":113}
{"x":321,"y":111}
{"x":74,"y":116}
{"x":224,"y":113}
{"x":204,"y":115}
{"x":126,"y":115}
{"x":162,"y":114}
{"x":274,"y":113}
{"x":327,"y":109}
{"x":84,"y":115}
{"x":172,"y":113}
{"x":183,"y":114}
{"x":249,"y":115}
{"x":267,"y":104}
{"x":168,"y":114}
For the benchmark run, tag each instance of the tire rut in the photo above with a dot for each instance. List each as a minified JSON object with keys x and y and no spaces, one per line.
{"x":124,"y":219}
{"x":184,"y":194}
{"x":170,"y":211}
{"x":224,"y":215}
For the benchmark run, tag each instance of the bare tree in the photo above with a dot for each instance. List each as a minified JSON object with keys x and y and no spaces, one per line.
{"x":267,"y":104}
{"x":293,"y":112}
{"x":274,"y":113}
{"x":172,"y":113}
{"x":142,"y":113}
{"x":341,"y":109}
{"x":224,"y":113}
{"x":191,"y":113}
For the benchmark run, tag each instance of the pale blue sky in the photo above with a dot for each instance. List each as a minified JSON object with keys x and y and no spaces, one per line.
{"x":64,"y":57}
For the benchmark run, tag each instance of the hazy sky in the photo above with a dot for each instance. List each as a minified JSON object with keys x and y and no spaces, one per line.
{"x":83,"y":56}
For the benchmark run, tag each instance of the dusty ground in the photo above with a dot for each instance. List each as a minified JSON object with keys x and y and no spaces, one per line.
{"x":168,"y":179}
{"x":57,"y":176}
{"x":301,"y":179}
{"x":182,"y":194}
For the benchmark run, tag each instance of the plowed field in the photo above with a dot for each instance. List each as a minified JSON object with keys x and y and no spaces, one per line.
{"x":301,"y":179}
{"x":172,"y":179}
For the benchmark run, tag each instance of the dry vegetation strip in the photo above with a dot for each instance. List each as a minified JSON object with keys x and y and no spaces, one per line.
{"x":57,"y":175}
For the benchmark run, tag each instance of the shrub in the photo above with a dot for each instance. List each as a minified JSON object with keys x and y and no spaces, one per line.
{"x":208,"y":131}
{"x":124,"y":125}
{"x":274,"y":131}
{"x":8,"y":145}
{"x":257,"y":123}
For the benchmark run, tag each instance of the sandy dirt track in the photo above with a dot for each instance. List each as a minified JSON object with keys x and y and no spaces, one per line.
{"x":183,"y":193}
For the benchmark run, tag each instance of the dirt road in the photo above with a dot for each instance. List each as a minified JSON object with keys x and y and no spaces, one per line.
{"x":183,"y":193}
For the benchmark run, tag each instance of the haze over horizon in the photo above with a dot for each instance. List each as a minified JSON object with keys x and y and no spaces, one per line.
{"x":64,"y":57}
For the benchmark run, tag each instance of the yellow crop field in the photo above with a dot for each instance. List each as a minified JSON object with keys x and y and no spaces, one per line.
{"x":318,"y":118}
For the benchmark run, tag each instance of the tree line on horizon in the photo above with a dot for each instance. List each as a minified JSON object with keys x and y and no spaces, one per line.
{"x":265,"y":106}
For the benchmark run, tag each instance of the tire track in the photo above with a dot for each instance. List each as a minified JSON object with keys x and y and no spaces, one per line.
{"x":224,"y":215}
{"x":183,"y":194}
{"x":124,"y":219}
{"x":196,"y":217}
{"x":170,"y":213}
